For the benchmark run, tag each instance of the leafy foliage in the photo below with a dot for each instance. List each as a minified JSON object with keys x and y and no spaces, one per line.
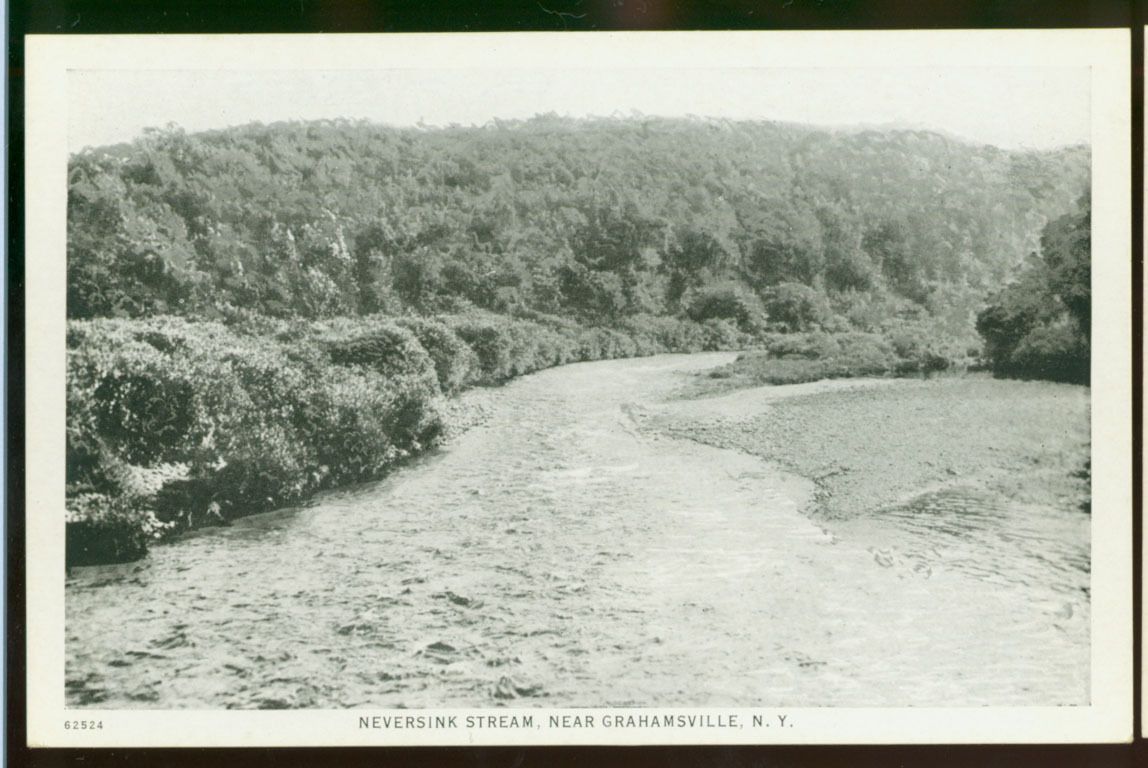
{"x":796,"y":358}
{"x":596,"y":220}
{"x":1040,"y":325}
{"x":455,"y":363}
{"x":728,"y":301}
{"x":264,"y":311}
{"x":796,"y":307}
{"x":174,"y":424}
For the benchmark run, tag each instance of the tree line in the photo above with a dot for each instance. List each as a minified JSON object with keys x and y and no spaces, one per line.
{"x":793,"y":227}
{"x":261,"y":312}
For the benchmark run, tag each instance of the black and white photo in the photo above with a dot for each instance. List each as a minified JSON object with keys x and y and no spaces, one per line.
{"x":580,"y":389}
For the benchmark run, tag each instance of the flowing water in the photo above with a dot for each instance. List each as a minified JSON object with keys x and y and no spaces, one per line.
{"x":557,"y":556}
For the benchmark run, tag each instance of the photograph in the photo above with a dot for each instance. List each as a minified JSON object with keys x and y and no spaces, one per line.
{"x":630,"y":388}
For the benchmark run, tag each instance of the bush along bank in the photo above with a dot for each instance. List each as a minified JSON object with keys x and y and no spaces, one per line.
{"x":175,"y":424}
{"x":796,"y":358}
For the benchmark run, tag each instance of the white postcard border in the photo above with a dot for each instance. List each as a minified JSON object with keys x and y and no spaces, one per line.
{"x":1107,"y":52}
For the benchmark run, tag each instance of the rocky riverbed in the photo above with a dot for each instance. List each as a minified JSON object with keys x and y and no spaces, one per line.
{"x":873,"y":443}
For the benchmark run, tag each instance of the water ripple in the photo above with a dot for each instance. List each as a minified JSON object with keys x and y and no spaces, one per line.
{"x":556,"y":556}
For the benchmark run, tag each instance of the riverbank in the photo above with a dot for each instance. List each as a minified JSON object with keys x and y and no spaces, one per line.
{"x":874,"y":443}
{"x":175,"y":425}
{"x":563,"y":554}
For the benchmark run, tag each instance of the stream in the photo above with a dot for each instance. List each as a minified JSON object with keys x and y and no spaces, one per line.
{"x":558,"y":556}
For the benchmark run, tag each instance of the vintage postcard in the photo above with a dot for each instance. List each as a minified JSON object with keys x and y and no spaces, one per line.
{"x":644,"y":388}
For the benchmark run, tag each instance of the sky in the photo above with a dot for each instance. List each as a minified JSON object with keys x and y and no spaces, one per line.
{"x":1010,"y":107}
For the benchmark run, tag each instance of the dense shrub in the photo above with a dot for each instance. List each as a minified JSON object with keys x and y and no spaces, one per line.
{"x":533,"y":347}
{"x":667,"y":334}
{"x":455,"y":363}
{"x":506,"y":347}
{"x":802,"y":345}
{"x":489,"y":339}
{"x":801,"y":357}
{"x":919,"y":353}
{"x":727,"y":301}
{"x":386,"y":348}
{"x":796,"y":307}
{"x":1057,"y":352}
{"x":175,"y":424}
{"x":865,"y":354}
{"x":102,"y":529}
{"x":722,"y":334}
{"x":607,"y":343}
{"x":1040,"y":325}
{"x":219,"y":425}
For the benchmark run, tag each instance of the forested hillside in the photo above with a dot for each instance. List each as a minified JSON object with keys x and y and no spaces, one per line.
{"x":330,"y":282}
{"x":596,"y":219}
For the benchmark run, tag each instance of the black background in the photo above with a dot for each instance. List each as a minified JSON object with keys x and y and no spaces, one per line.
{"x":334,"y":16}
